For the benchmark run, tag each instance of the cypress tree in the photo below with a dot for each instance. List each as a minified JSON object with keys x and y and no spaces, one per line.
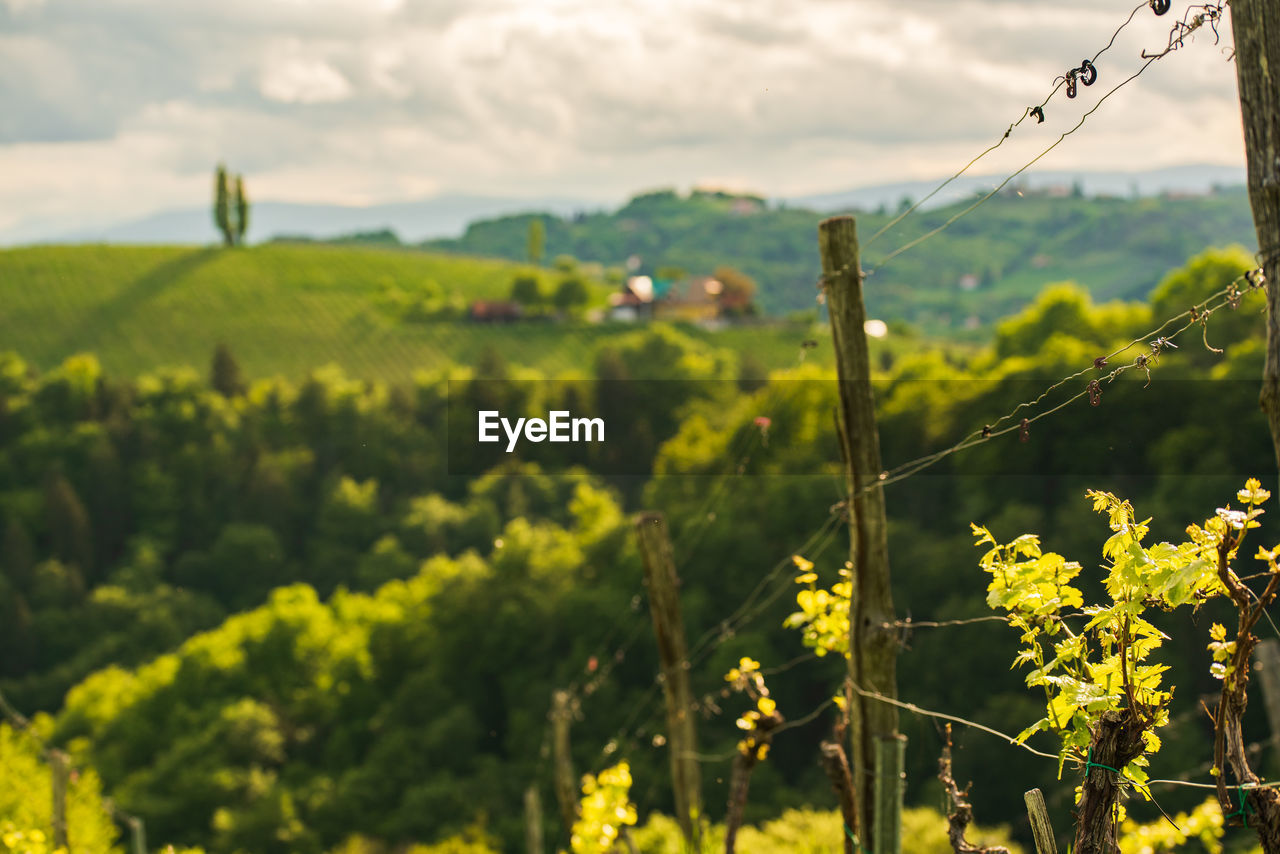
{"x":222,"y":205}
{"x":242,"y":210}
{"x":537,"y":240}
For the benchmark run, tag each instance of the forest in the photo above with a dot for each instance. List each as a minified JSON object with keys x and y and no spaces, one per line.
{"x":274,"y":615}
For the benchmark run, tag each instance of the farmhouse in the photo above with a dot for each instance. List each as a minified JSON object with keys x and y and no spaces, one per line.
{"x":694,"y":299}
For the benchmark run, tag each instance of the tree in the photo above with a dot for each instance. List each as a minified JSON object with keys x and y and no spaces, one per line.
{"x":537,"y":240}
{"x":527,"y":291}
{"x":224,"y":374}
{"x":242,"y":210}
{"x":68,"y":520}
{"x":222,"y":206}
{"x":739,"y":292}
{"x":571,"y":294}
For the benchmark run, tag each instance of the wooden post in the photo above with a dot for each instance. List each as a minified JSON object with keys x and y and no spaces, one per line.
{"x":138,"y":834}
{"x":533,"y":821}
{"x":873,"y":643}
{"x":668,"y":627}
{"x":1255,"y":25}
{"x":1266,"y":666}
{"x":891,"y":756}
{"x":836,"y":764}
{"x":58,"y":766}
{"x":566,"y":785}
{"x":1041,"y":829}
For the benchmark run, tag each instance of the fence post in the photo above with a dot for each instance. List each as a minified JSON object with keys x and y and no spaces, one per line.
{"x":836,"y":764}
{"x":138,"y":833}
{"x":58,"y":765}
{"x":1254,"y":25}
{"x":566,"y":785}
{"x":873,"y":642}
{"x":891,"y":754}
{"x":533,"y":821}
{"x":1041,"y":829}
{"x":668,"y":627}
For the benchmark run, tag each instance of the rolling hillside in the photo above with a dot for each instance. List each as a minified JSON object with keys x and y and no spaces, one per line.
{"x":286,"y":310}
{"x":988,"y":265}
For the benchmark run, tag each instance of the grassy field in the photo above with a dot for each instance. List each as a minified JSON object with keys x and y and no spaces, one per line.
{"x":287,"y":309}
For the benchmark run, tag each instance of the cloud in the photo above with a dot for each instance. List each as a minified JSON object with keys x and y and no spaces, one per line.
{"x":541,"y":96}
{"x":292,"y":78}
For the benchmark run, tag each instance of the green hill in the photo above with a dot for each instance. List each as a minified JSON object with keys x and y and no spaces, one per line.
{"x":286,"y":309}
{"x":988,"y":265}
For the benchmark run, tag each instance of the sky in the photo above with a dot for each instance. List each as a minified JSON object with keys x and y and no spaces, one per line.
{"x":111,"y":109}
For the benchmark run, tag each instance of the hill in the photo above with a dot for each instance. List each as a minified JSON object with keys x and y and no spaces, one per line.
{"x":988,"y":265}
{"x":285,"y":309}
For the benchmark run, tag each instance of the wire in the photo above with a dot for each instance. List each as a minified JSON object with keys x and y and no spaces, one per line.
{"x":917,"y":710}
{"x":720,"y":633}
{"x":1200,"y":314}
{"x":1176,"y":39}
{"x":982,"y":200}
{"x":753,"y":605}
{"x":1026,"y":113}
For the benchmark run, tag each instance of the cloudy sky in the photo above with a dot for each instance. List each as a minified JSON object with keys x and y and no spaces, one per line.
{"x":115,"y":108}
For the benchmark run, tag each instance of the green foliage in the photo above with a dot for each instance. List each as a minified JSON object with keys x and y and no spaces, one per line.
{"x":1067,"y":310}
{"x":746,"y":678}
{"x":605,"y":810}
{"x":1202,"y":276}
{"x":571,"y":293}
{"x":26,"y":802}
{"x":12,"y":839}
{"x":282,"y":309}
{"x":1102,"y":666}
{"x":537,"y":240}
{"x":808,"y":831}
{"x":404,"y":711}
{"x":222,"y":205}
{"x":257,"y":736}
{"x":739,"y":290}
{"x":1204,"y":824}
{"x":241,"y":210}
{"x":1119,"y":247}
{"x":823,"y":617}
{"x":224,"y":374}
{"x":527,"y":290}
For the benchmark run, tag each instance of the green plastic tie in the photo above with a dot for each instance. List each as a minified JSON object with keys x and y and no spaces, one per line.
{"x":855,"y":839}
{"x":1089,"y":763}
{"x":1246,"y":809}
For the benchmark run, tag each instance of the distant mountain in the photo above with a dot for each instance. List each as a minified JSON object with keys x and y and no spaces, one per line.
{"x":439,"y":216}
{"x":1174,"y":179}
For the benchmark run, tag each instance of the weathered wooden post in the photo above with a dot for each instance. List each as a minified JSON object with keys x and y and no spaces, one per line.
{"x":836,"y":764}
{"x":891,"y":757}
{"x":1041,"y":829}
{"x":1266,"y":666}
{"x":534,"y":843}
{"x":566,"y":785}
{"x":60,"y":774}
{"x":1255,"y":25}
{"x":668,"y":627}
{"x":873,"y":642}
{"x":138,"y":835}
